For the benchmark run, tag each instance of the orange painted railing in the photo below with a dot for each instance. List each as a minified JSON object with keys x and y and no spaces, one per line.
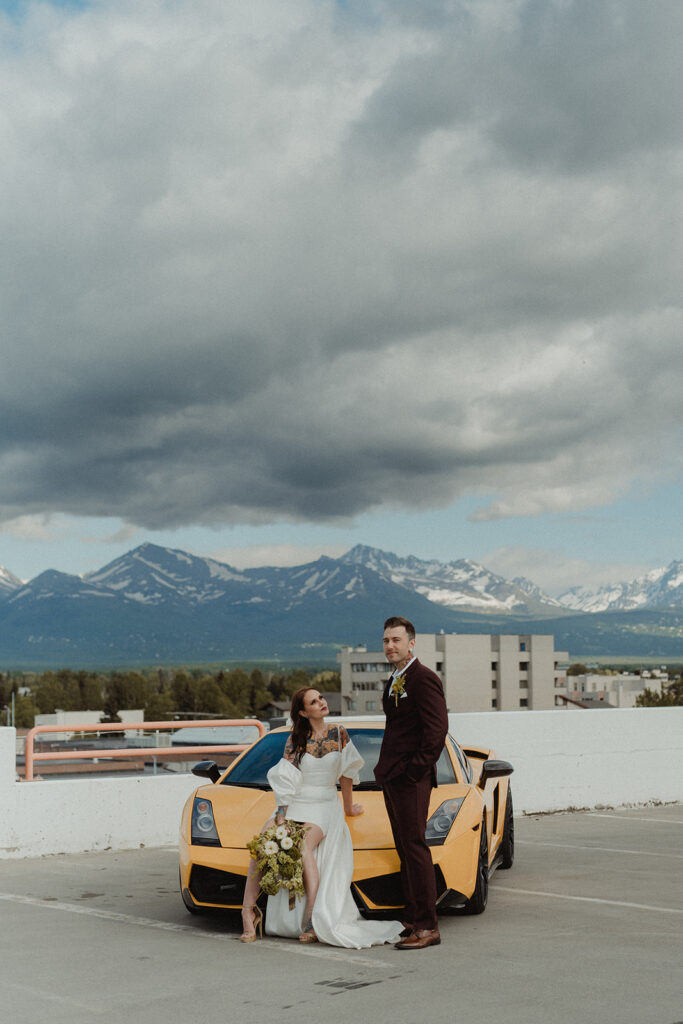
{"x":132,"y":753}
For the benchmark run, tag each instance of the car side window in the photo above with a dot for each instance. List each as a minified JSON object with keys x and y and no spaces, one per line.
{"x":464,"y":763}
{"x":444,"y":769}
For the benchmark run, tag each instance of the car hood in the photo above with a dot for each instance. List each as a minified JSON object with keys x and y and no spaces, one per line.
{"x":240,"y":813}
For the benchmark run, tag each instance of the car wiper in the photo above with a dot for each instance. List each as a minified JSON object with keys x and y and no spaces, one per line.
{"x":245,"y":785}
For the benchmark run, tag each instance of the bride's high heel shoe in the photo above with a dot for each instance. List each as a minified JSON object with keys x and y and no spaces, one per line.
{"x":309,"y":936}
{"x":258,"y":924}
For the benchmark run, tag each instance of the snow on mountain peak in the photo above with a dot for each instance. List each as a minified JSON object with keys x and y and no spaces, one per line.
{"x":461,"y":584}
{"x":8,"y":581}
{"x":152,"y":575}
{"x":655,"y":589}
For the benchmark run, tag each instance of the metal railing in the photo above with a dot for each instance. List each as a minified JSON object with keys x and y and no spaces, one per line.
{"x":132,"y":753}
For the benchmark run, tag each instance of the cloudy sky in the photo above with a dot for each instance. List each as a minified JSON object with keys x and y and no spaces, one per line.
{"x":283,"y":276}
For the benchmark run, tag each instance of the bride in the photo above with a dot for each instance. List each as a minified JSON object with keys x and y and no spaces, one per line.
{"x":316,"y":757}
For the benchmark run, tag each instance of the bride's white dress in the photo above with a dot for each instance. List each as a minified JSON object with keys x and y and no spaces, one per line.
{"x":310,"y":794}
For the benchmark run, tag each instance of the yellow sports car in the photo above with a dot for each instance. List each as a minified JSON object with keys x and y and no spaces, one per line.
{"x":470,"y":828}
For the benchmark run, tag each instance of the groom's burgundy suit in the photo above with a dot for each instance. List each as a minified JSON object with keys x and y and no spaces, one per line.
{"x":414,"y":736}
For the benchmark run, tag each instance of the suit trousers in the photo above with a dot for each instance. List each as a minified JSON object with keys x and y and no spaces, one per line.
{"x":407,"y":805}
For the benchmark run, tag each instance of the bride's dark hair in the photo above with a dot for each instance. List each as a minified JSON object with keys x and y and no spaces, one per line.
{"x":301,"y":727}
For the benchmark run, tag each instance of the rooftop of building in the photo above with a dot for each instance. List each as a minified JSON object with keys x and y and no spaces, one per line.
{"x":104,"y":936}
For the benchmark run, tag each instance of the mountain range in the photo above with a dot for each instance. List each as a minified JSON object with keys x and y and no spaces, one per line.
{"x":661,"y":588}
{"x":159,"y":605}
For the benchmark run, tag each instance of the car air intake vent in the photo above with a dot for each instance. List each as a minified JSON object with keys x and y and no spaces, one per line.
{"x":383,"y":890}
{"x":208,"y":885}
{"x":387,"y":891}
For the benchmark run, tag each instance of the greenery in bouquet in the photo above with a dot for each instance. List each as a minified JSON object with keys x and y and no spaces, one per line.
{"x":277,"y":852}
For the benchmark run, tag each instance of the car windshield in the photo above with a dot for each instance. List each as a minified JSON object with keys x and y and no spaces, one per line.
{"x":251,"y":770}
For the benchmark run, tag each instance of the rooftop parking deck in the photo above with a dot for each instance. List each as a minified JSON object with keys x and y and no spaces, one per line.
{"x":586,"y":927}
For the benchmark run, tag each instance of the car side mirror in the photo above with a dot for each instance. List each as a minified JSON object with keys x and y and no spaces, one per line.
{"x":493,"y":770}
{"x":207,"y":770}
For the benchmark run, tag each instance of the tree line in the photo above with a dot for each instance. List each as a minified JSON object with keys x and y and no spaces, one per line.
{"x":163,"y":694}
{"x":671,"y":695}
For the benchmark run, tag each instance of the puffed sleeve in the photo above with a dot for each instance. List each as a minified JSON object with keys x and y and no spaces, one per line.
{"x":285,"y":781}
{"x":351,"y":763}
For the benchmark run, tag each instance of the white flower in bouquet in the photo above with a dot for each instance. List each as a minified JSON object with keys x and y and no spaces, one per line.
{"x":280,"y":859}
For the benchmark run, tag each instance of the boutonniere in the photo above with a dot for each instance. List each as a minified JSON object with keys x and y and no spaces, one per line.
{"x":399,"y":688}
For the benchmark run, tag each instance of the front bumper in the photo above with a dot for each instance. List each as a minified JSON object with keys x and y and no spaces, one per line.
{"x":214,"y":877}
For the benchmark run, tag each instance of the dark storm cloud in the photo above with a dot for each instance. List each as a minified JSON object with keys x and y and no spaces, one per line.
{"x":572,"y":85}
{"x":292,"y":259}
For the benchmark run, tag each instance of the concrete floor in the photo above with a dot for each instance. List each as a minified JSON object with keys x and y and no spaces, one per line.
{"x":586,"y":927}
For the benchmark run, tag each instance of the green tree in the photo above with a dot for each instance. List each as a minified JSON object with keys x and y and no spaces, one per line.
{"x":122,"y":691}
{"x":183,"y":693}
{"x":91,"y":690}
{"x":236,"y":686}
{"x":49,"y":694}
{"x":294,"y":681}
{"x":259,"y":696}
{"x":671,"y":696}
{"x":24,"y":712}
{"x":160,"y":707}
{"x":327,"y":682}
{"x":211,"y":700}
{"x":4,"y":691}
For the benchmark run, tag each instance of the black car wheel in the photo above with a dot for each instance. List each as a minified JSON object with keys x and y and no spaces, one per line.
{"x":507,"y":843}
{"x":476,"y":904}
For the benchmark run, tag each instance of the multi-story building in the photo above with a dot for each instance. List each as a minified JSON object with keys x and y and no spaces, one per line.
{"x":621,"y":691}
{"x":479,"y":671}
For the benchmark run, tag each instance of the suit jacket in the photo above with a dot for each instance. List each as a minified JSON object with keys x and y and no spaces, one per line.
{"x":415,"y":729}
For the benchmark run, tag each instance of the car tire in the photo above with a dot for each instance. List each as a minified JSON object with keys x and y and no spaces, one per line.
{"x":507,"y":843}
{"x":476,"y":904}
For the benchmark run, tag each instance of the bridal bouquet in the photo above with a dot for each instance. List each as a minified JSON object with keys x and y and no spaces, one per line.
{"x":277,"y":853}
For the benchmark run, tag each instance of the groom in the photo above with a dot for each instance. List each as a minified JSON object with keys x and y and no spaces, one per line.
{"x":414,"y":736}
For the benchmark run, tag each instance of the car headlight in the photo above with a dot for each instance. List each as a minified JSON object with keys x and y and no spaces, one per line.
{"x":439,"y":825}
{"x":203,"y":830}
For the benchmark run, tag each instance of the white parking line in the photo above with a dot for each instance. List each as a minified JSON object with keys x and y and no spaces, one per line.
{"x":589,"y":899}
{"x":629,"y":817}
{"x":280,"y":945}
{"x":597,"y":849}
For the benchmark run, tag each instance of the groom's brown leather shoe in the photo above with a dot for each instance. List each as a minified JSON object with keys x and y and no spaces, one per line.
{"x":420,"y":940}
{"x":407,"y":930}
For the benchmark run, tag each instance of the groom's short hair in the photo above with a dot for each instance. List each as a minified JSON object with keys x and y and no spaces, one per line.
{"x":398,"y":620}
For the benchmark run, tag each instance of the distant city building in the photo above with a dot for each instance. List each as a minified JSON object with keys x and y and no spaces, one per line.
{"x":213,"y":735}
{"x":479,"y":672}
{"x":587,"y":701}
{"x":76,"y":718}
{"x":617,"y":691}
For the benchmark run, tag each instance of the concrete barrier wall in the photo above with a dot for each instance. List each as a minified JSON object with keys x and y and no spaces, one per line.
{"x":584,"y":758}
{"x":562,"y":759}
{"x":75,"y":815}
